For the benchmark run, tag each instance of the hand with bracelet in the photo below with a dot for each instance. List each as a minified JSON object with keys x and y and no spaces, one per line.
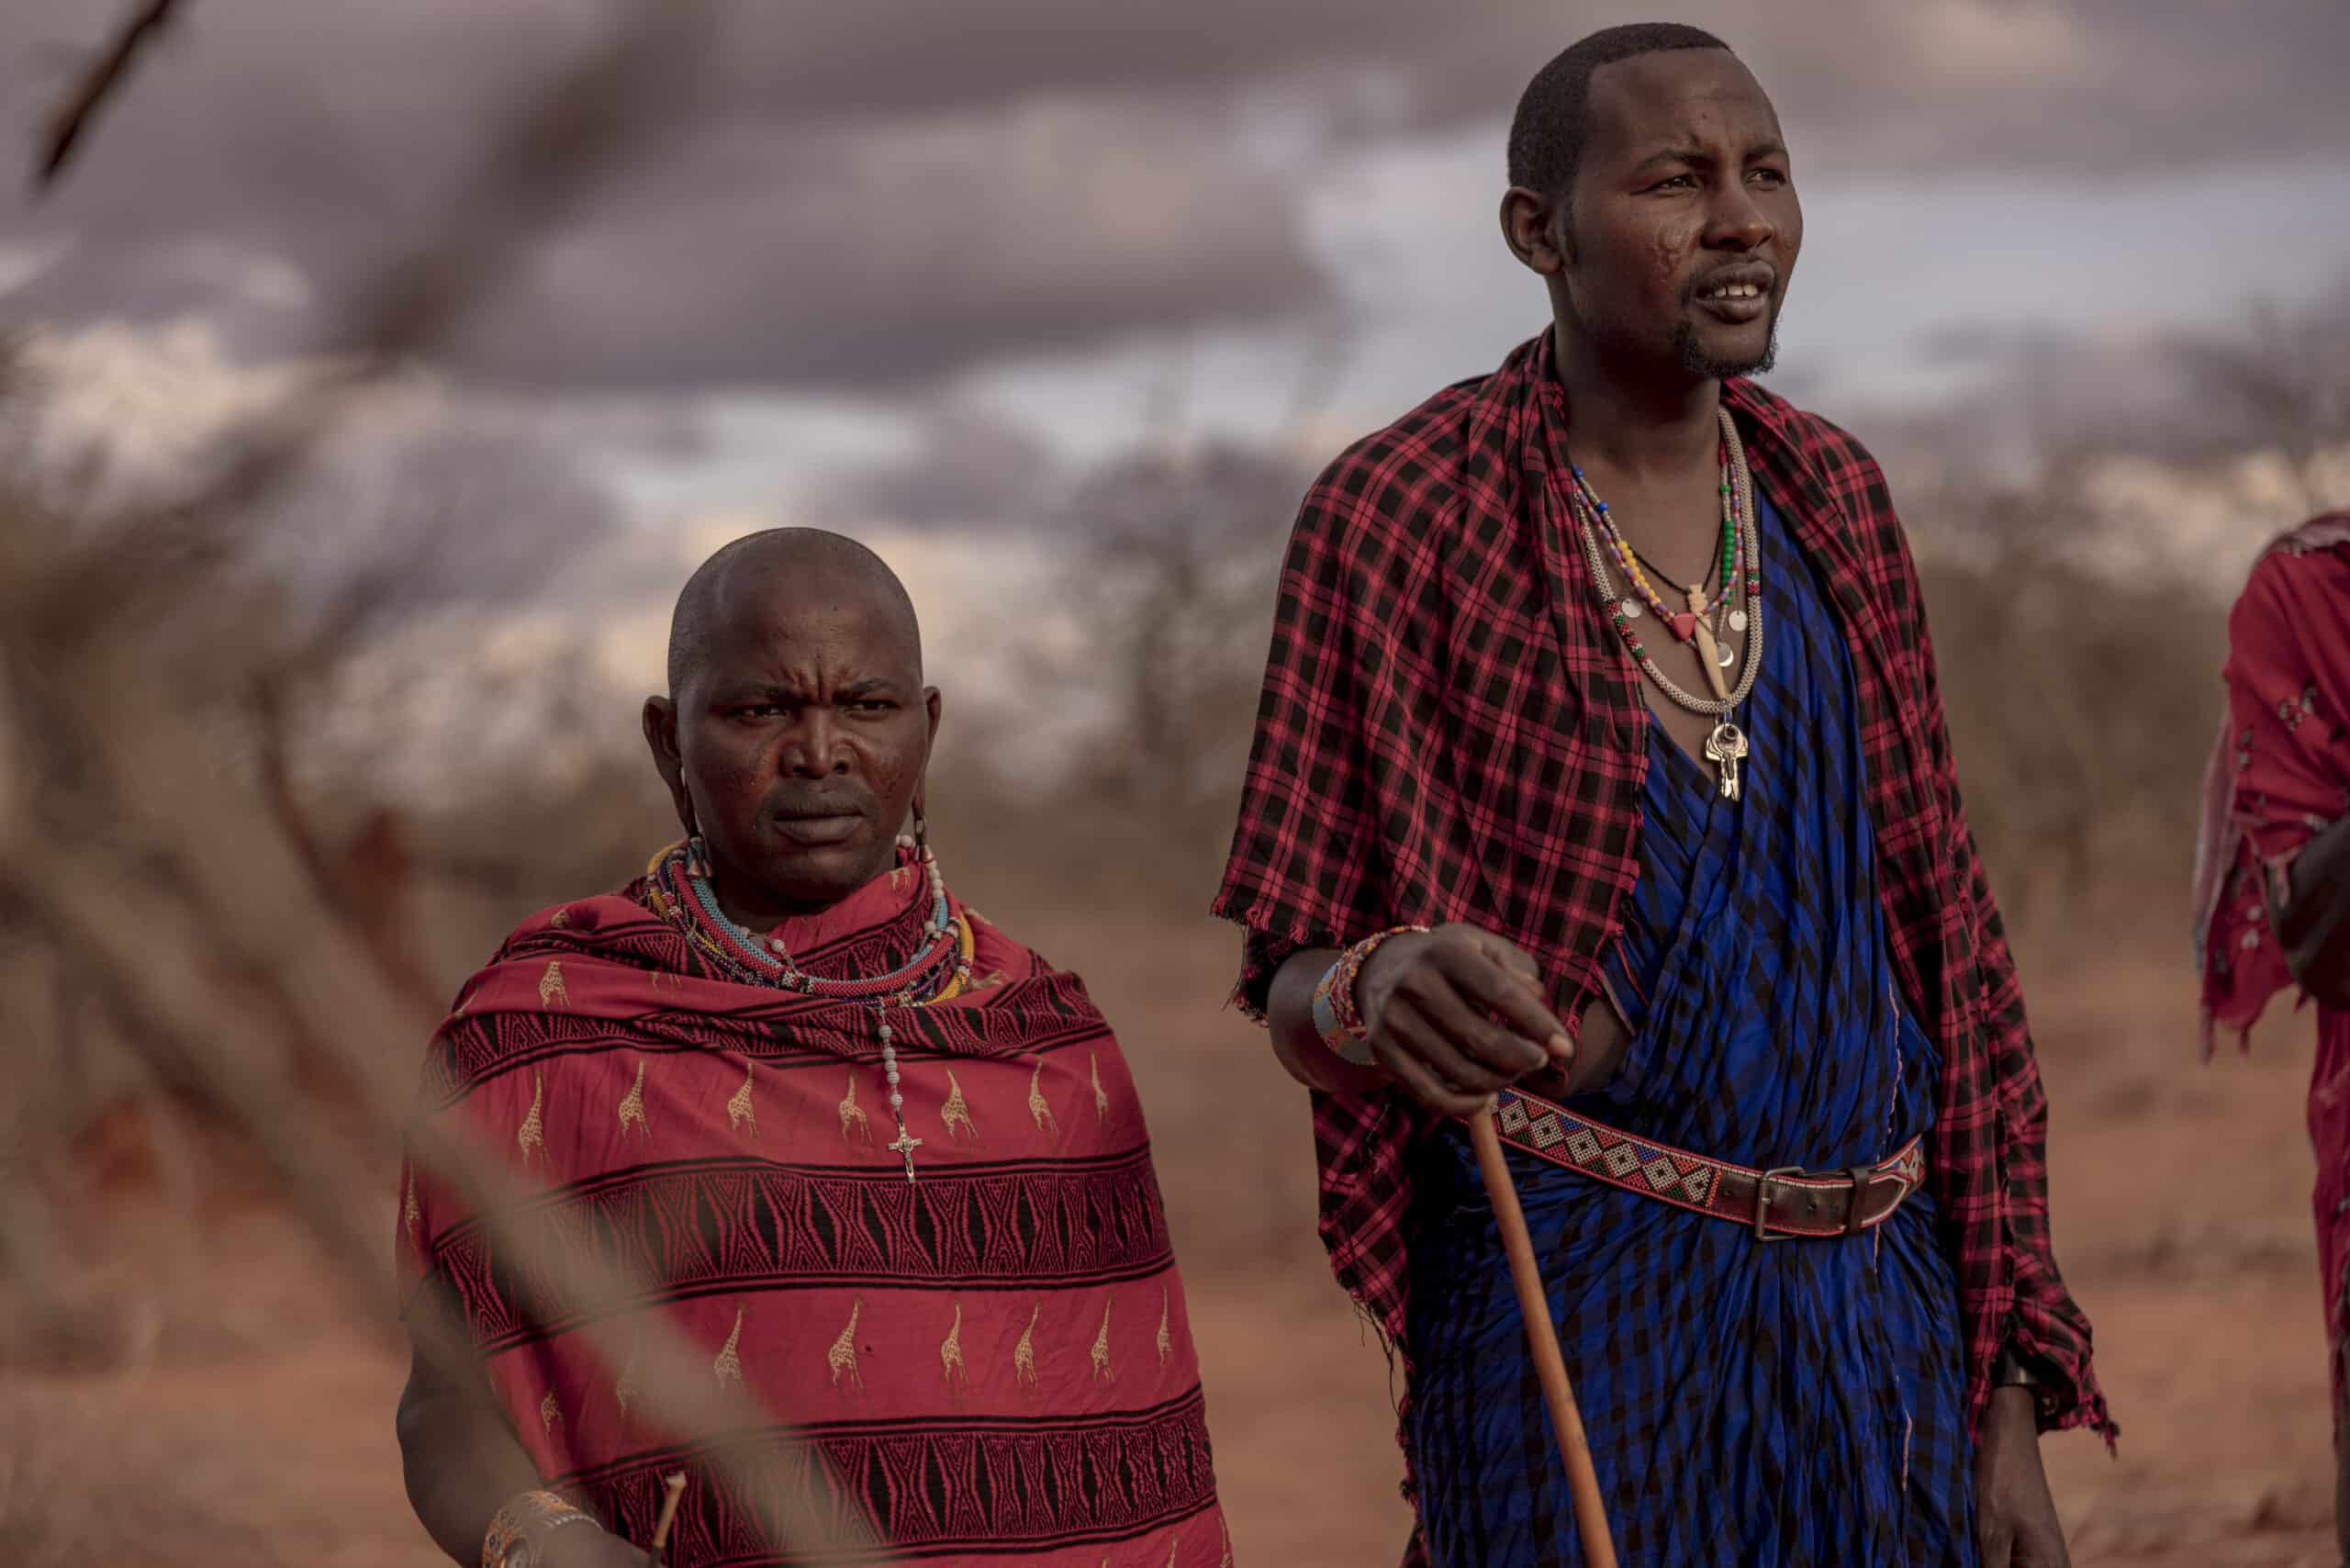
{"x":539,"y":1529}
{"x":1451,"y":1016}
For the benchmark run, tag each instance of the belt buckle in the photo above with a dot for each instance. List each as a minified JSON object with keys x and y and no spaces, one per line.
{"x":1762,"y":1201}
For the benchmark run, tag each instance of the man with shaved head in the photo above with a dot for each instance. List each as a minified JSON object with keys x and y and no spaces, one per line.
{"x":1540,"y":826}
{"x":878,"y":1166}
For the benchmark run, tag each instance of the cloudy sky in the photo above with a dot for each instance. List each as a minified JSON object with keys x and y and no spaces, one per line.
{"x":900,"y":263}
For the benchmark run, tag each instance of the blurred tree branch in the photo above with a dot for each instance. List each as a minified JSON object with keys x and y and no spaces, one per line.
{"x":155,"y":854}
{"x":71,"y":120}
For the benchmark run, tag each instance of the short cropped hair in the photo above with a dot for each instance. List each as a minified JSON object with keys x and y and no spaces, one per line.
{"x":1546,"y":134}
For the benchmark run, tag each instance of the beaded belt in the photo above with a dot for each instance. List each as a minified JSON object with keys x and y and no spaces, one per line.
{"x":1777,"y":1204}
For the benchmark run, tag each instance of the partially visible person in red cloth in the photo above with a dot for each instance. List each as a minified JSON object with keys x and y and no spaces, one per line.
{"x":882,"y":1163}
{"x":2272,"y":873}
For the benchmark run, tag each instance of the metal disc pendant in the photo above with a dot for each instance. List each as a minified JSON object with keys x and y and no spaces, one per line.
{"x":1631,"y":609}
{"x":1725,"y":655}
{"x":1737,"y":621}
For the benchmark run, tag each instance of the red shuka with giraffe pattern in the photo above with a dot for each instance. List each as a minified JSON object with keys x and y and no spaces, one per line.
{"x":990,"y":1363}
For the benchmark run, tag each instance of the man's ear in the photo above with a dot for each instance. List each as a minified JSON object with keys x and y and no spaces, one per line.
{"x":933,"y":706}
{"x":661,"y":738}
{"x":1531,"y":229}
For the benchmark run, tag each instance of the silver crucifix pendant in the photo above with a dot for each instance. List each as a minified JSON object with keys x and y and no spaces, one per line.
{"x":906,"y":1145}
{"x":1725,"y":748}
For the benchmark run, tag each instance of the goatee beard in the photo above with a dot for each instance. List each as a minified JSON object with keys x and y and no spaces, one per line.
{"x":1697,"y":361}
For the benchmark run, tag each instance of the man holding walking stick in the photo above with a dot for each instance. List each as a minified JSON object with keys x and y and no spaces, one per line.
{"x":1541,"y":827}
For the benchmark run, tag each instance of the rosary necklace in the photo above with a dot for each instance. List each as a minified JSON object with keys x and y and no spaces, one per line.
{"x":940,"y":967}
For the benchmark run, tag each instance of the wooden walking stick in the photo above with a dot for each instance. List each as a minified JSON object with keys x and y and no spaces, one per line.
{"x":1542,"y":1341}
{"x":675,"y":1485}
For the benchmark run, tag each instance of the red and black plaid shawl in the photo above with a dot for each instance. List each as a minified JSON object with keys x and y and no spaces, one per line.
{"x":1451,"y":731}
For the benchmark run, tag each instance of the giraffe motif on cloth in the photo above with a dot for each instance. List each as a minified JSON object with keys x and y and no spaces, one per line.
{"x":629,"y":1384}
{"x":549,"y":1415}
{"x":561,"y":916}
{"x":950,"y":1355}
{"x":633,"y":1105}
{"x":852,"y":1114}
{"x":1039,"y":1107}
{"x":1024,"y":1354}
{"x":1100,"y":1098}
{"x":532,"y":1133}
{"x":957,"y":1112}
{"x":740,"y":1113}
{"x":841,"y":1356}
{"x":1172,"y":1548}
{"x":1166,"y":1334}
{"x":551,"y":989}
{"x":1102,"y":1371}
{"x":727,"y":1365}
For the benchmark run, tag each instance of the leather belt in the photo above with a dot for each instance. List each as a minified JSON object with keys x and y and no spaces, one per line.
{"x":1777,"y":1205}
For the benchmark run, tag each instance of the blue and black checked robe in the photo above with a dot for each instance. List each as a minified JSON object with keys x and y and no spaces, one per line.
{"x":1764,"y":1405}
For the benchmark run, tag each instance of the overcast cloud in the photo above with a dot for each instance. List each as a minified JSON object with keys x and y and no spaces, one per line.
{"x":877,"y":194}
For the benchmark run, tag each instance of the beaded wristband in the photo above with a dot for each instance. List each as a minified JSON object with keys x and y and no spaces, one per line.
{"x":526,"y":1516}
{"x":1335,"y":1017}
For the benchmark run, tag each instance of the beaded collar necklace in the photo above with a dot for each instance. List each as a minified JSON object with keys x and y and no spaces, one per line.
{"x":1739,"y":610}
{"x":940,"y":967}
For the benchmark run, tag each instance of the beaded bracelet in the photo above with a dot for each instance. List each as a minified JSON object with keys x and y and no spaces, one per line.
{"x":528,"y":1516}
{"x":1335,"y":1016}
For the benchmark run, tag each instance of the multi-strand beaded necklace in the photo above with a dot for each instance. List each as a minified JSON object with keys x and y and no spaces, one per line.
{"x":940,"y":967}
{"x":1707,"y":623}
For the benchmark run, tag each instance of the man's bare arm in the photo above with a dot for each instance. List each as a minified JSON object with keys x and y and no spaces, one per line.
{"x":461,"y":1460}
{"x":460,"y":1457}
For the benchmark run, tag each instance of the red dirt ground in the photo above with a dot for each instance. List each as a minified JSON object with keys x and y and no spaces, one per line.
{"x":255,"y":1425}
